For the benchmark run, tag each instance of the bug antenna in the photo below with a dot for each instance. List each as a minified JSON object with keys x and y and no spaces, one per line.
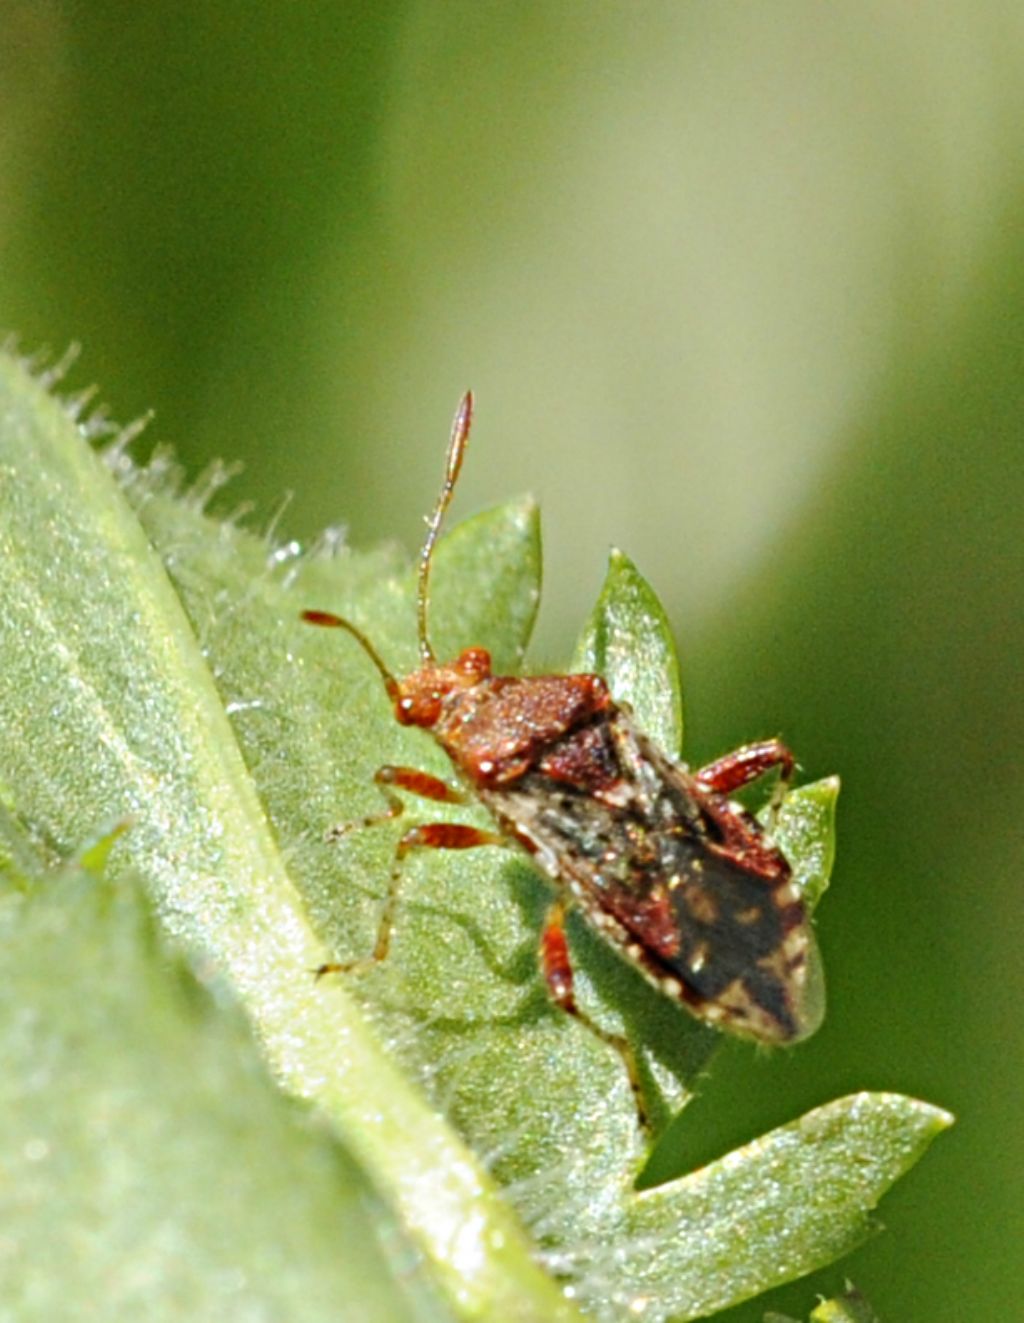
{"x":332,"y":621}
{"x":456,"y":450}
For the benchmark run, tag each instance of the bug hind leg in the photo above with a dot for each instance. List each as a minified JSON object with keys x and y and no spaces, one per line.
{"x":737,"y":769}
{"x":556,"y":965}
{"x":746,"y":764}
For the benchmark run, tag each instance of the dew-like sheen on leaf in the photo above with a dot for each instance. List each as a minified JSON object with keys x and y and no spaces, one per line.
{"x":156,"y":670}
{"x":151,"y":1169}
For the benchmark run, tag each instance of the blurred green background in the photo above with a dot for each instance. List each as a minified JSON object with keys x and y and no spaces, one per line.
{"x":740,"y":288}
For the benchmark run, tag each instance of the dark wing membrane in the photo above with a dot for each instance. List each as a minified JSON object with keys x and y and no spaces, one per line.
{"x":648,"y":866}
{"x":739,"y":943}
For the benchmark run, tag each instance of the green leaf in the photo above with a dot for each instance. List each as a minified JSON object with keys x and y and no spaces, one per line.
{"x":795,"y":1200}
{"x":151,"y":1170}
{"x":156,"y":671}
{"x":108,"y":711}
{"x":805,"y":828}
{"x":628,"y":640}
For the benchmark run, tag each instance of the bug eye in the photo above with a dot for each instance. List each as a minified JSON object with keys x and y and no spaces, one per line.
{"x":421,"y":709}
{"x":474,"y":663}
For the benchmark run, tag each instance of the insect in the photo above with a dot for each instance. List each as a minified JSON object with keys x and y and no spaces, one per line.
{"x":683,"y":882}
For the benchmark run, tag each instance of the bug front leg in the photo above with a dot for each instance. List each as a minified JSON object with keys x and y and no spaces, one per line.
{"x":410,"y":779}
{"x":429,"y":835}
{"x":557,"y":967}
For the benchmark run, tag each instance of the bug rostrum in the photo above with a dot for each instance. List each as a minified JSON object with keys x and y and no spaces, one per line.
{"x":683,"y":882}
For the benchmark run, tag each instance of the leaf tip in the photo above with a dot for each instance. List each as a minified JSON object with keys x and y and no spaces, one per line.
{"x":930,"y":1117}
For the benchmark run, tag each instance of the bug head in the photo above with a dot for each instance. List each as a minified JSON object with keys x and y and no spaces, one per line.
{"x":420,"y":697}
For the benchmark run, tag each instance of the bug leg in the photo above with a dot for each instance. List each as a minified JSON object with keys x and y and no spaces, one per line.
{"x":430,"y":835}
{"x":746,"y":764}
{"x":557,"y":967}
{"x":405,"y":778}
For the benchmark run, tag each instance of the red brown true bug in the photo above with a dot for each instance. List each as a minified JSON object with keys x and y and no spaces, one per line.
{"x":682,"y":881}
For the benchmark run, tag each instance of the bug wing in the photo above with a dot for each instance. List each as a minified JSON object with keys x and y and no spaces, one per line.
{"x":744,"y":948}
{"x":630,"y":835}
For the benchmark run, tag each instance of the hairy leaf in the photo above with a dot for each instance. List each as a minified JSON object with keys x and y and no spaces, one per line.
{"x":109,"y":710}
{"x":157,"y":671}
{"x":629,"y":641}
{"x":151,"y":1170}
